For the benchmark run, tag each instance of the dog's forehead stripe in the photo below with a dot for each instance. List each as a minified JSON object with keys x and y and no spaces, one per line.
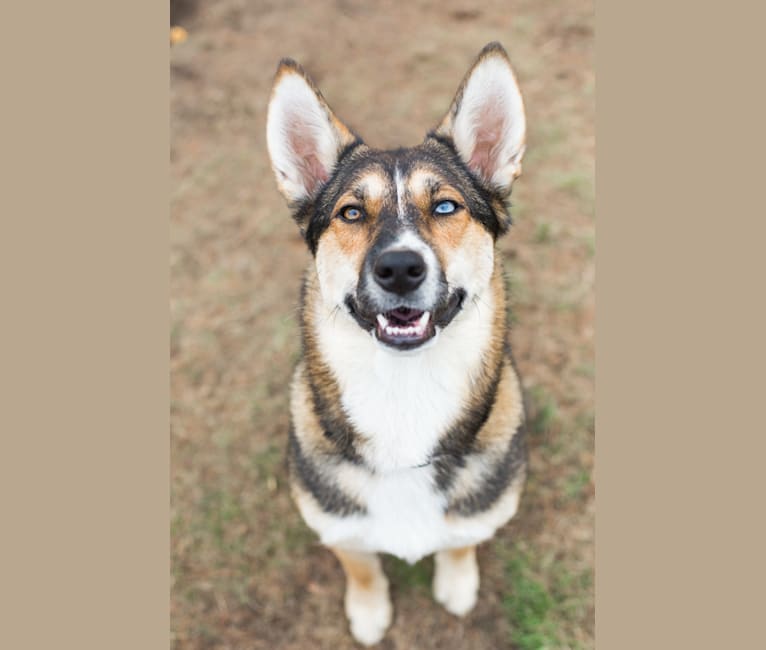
{"x":400,"y":193}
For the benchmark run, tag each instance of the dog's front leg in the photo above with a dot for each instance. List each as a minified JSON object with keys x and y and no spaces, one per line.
{"x":456,"y":579}
{"x":368,"y":605}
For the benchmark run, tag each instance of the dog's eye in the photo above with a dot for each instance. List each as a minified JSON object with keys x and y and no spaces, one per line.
{"x":350,"y":213}
{"x":445,"y":207}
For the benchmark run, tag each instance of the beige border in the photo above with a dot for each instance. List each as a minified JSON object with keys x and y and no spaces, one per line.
{"x":680,"y":306}
{"x":84,"y":344}
{"x":84,"y":340}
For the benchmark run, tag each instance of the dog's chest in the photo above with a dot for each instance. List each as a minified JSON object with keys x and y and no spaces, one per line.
{"x":401,"y":410}
{"x":402,"y":405}
{"x":405,"y":517}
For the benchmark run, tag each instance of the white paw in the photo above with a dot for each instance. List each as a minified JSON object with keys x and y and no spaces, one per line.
{"x":456,"y":585}
{"x":369,"y":611}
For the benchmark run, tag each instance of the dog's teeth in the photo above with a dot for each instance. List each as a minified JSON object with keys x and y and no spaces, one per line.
{"x":422,"y":322}
{"x":415,"y":329}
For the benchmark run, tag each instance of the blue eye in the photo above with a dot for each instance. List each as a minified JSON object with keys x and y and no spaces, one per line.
{"x":445,"y":207}
{"x":350,"y":213}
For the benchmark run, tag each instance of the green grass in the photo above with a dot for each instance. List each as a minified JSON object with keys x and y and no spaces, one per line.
{"x":266,"y":463}
{"x":578,"y":185}
{"x":298,"y":537}
{"x":546,"y":140}
{"x":590,"y":245}
{"x":218,"y":510}
{"x":529,"y":609}
{"x":586,"y":369}
{"x":543,"y":233}
{"x":409,"y":577}
{"x":576,"y":483}
{"x":545,"y":602}
{"x":542,"y":411}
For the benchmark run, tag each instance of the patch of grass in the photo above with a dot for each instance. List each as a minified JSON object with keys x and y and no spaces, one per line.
{"x":267,"y":461}
{"x":585,"y":420}
{"x":518,"y":209}
{"x":529,"y":608}
{"x":298,"y":537}
{"x":516,"y":286}
{"x":542,"y":411}
{"x":218,"y":511}
{"x":590,"y":245}
{"x":586,"y":369}
{"x":576,"y":483}
{"x":545,"y":140}
{"x":284,"y":333}
{"x":578,"y":185}
{"x":543,"y":233}
{"x":545,"y":601}
{"x":405,"y":576}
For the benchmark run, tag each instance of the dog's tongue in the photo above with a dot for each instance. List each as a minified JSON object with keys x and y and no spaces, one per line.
{"x":405,"y":314}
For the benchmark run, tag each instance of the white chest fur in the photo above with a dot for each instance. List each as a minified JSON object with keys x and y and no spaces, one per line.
{"x":405,"y":516}
{"x":402,"y":403}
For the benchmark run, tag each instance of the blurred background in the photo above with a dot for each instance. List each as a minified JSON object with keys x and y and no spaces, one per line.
{"x":246,"y":572}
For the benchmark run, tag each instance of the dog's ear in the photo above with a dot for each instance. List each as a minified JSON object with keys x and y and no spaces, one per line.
{"x":303,"y":135}
{"x":486,"y":120}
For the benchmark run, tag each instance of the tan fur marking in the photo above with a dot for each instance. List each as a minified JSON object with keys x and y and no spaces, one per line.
{"x":445,"y":234}
{"x":306,"y":423}
{"x":351,"y":240}
{"x":372,"y":188}
{"x":345,"y":240}
{"x":509,"y":405}
{"x":361,"y":568}
{"x":494,"y":437}
{"x":458,"y":554}
{"x":315,"y":371}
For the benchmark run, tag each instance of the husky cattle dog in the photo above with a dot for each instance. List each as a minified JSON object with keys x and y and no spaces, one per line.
{"x":407,"y":415}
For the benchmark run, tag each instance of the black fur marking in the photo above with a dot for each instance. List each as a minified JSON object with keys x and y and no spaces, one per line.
{"x":328,"y":496}
{"x":314,"y":216}
{"x":458,"y":443}
{"x":498,"y":479}
{"x":339,"y":431}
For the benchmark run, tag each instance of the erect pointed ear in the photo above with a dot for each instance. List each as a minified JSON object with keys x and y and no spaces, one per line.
{"x":486,"y":120}
{"x":303,"y":135}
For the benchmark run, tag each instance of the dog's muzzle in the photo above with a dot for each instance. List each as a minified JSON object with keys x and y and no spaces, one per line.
{"x":406,"y":327}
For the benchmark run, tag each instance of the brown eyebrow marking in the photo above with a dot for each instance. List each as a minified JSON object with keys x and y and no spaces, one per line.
{"x":369,"y":191}
{"x":426,"y":188}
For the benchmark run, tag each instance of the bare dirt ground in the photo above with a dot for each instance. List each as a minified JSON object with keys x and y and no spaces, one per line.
{"x":246,"y":572}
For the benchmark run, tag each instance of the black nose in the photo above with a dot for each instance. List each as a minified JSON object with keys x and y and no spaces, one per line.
{"x":400,"y":271}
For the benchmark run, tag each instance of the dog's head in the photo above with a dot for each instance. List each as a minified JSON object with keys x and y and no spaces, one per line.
{"x":402,"y":238}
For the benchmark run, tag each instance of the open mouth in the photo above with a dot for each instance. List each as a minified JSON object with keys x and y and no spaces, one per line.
{"x":406,"y":328}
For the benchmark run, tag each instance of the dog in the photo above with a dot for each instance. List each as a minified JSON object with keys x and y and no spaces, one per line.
{"x":407,"y":416}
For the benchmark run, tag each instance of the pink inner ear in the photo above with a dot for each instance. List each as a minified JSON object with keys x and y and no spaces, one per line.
{"x":483,"y":158}
{"x":489,"y":131}
{"x":306,"y":159}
